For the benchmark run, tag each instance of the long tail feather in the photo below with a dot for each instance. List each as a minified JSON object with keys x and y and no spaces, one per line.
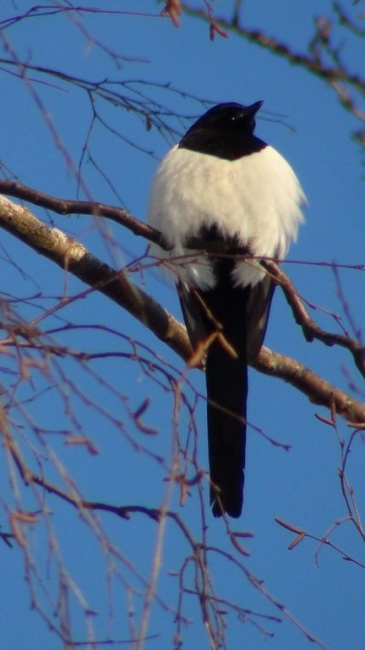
{"x":238,"y":317}
{"x":226,"y":379}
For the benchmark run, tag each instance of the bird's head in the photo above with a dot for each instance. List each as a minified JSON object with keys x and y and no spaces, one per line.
{"x":225,"y":131}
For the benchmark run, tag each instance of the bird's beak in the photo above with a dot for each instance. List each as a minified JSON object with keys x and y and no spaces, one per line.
{"x":249,"y":112}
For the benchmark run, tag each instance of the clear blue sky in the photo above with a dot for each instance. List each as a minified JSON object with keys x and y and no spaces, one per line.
{"x":305,"y":122}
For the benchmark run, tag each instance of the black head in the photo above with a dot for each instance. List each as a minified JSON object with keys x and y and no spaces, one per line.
{"x":225,"y":131}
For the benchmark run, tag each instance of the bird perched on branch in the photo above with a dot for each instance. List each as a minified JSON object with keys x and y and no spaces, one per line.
{"x":237,"y":200}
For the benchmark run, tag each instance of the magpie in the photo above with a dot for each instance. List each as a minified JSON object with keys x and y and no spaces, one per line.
{"x":237,"y":200}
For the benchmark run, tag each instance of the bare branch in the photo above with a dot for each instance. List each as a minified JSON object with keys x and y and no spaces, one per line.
{"x":318,"y":390}
{"x":68,"y":206}
{"x":279,"y":48}
{"x":72,"y":256}
{"x":310,"y":329}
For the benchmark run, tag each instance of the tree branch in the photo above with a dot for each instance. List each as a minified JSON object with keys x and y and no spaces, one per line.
{"x":318,"y":390}
{"x":279,"y":48}
{"x":310,"y":329}
{"x":73,"y":257}
{"x":68,"y":206}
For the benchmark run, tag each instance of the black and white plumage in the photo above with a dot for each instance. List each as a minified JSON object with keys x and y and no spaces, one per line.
{"x":226,"y":187}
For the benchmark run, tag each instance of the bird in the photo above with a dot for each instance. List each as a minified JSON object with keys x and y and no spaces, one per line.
{"x":238,"y":201}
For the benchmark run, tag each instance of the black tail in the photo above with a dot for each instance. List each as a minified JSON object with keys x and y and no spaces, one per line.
{"x":237,"y":315}
{"x":223,"y":311}
{"x":226,"y":378}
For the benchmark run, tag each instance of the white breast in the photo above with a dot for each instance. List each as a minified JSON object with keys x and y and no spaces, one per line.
{"x":256,"y":198}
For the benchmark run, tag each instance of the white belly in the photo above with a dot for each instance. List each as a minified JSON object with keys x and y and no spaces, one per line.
{"x":256,"y":198}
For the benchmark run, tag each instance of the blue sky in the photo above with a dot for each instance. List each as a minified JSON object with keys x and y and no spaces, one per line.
{"x":304,"y":121}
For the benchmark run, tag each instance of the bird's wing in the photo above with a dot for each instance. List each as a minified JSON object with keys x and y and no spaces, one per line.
{"x":257,"y":314}
{"x":193,"y":314}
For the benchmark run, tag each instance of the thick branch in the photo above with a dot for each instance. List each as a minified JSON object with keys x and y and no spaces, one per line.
{"x":72,"y":256}
{"x":318,"y":390}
